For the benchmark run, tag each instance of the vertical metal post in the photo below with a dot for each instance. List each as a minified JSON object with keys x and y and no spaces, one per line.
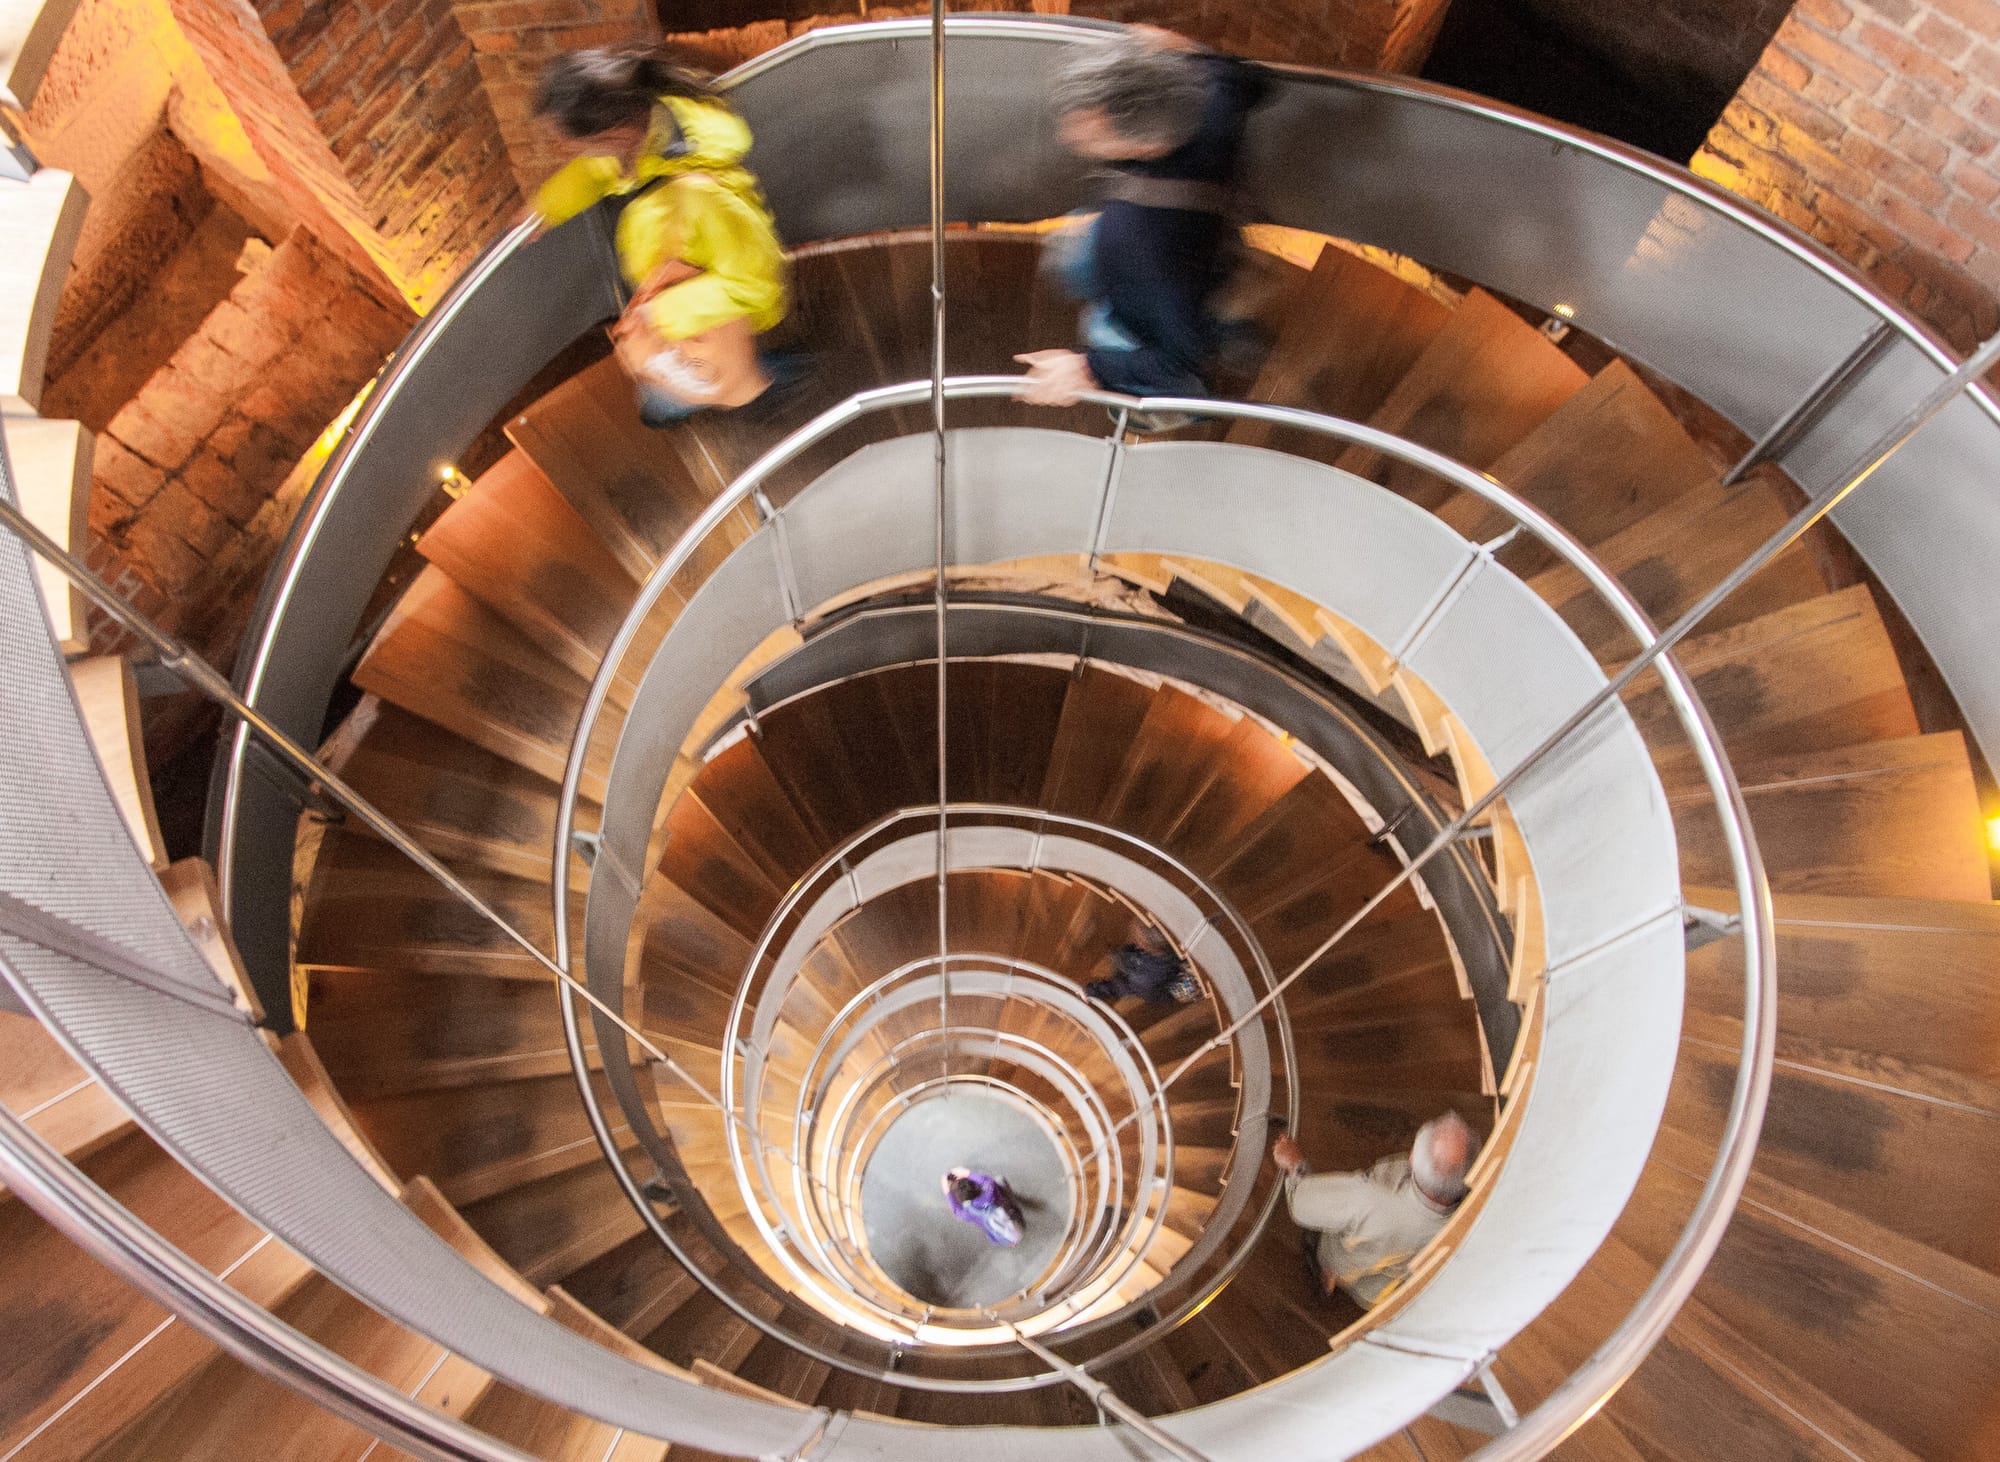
{"x":938,"y":504}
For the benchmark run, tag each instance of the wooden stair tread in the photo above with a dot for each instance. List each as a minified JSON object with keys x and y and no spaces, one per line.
{"x":1813,"y":676}
{"x":1862,"y":1147}
{"x":1895,"y":817}
{"x":1351,"y":331}
{"x":57,"y":1098}
{"x":1484,"y":381}
{"x":1669,"y":559}
{"x":444,"y":656}
{"x":1905,"y":980}
{"x":459,"y":800}
{"x":1916,"y":1363}
{"x":69,"y":1326}
{"x":1602,"y":461}
{"x":368,"y":907}
{"x":514,"y":543}
{"x":621,"y":477}
{"x":475,"y":1142}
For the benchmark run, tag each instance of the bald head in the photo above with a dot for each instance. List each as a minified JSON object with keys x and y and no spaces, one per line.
{"x":1441,"y":1157}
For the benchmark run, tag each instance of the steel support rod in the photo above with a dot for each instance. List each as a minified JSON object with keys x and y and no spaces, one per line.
{"x":1858,"y":471}
{"x":209,"y":682}
{"x":1108,"y":1400}
{"x":938,"y":508}
{"x":1812,"y":407}
{"x":109,"y":1233}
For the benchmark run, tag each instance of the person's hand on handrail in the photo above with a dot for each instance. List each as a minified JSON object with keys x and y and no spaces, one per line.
{"x":1054,"y":378}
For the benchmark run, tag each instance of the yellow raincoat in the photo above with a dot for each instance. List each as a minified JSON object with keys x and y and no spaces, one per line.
{"x":717,"y":222}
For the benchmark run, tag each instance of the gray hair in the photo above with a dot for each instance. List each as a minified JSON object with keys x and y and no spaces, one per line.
{"x":1441,"y":1156}
{"x":1149,"y":95}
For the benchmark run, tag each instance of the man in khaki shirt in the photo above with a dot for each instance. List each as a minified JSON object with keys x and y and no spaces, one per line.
{"x":1371,"y":1224}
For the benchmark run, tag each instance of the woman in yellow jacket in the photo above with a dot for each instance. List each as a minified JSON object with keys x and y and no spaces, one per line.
{"x":695,"y":241}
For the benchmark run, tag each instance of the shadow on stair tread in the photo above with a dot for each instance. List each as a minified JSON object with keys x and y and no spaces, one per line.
{"x":1894,"y":818}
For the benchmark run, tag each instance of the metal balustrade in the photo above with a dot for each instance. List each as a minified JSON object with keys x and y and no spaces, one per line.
{"x":1655,"y":324}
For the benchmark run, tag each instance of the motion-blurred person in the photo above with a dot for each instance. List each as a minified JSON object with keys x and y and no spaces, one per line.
{"x":1167,"y":120}
{"x":1146,"y":966}
{"x":695,"y":240}
{"x":987,"y":1202}
{"x":1371,"y":1224}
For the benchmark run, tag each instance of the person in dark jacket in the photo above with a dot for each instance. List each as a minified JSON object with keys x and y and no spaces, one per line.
{"x":1167,"y":120}
{"x":1146,"y":966}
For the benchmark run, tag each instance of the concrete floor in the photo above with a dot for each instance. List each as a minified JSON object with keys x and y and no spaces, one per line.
{"x":909,"y":1225}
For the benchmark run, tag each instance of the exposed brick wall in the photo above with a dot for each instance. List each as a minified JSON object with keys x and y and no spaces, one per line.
{"x":1872,"y":125}
{"x":185,"y":472}
{"x":1392,"y":35}
{"x":511,"y":39}
{"x":375,"y":108}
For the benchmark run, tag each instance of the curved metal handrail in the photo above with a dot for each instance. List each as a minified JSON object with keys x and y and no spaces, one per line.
{"x":337,"y":485}
{"x":1614,"y":1361}
{"x":1040,"y":818}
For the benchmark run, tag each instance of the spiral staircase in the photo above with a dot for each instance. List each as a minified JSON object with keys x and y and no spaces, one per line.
{"x":1194,"y":736}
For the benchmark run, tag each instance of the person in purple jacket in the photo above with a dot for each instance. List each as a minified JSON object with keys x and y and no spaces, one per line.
{"x":982,"y":1199}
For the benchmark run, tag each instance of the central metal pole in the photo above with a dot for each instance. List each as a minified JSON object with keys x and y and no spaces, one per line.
{"x":938,"y":502}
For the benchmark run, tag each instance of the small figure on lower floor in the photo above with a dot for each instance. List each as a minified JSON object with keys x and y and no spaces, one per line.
{"x":1148,"y":967}
{"x":982,"y":1199}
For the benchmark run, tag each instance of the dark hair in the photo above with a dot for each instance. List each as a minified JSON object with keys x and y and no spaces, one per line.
{"x":1148,"y":94}
{"x":587,"y":92}
{"x":964,"y":1190}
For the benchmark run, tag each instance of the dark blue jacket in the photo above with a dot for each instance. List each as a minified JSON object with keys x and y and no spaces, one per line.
{"x":1158,"y":267}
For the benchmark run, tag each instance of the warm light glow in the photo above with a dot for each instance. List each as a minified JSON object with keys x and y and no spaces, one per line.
{"x":447,"y":472}
{"x":337,"y":428}
{"x":1568,"y":312}
{"x":1993,"y":833}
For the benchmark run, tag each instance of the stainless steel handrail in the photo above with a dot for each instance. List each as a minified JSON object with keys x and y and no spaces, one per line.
{"x":109,"y":1232}
{"x":833,"y":862}
{"x":1613,"y":1362}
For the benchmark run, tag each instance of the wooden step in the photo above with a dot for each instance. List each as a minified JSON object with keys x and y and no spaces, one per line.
{"x":545,"y":1430}
{"x":1861,"y":1146}
{"x":1813,"y":676}
{"x":707,"y":863}
{"x":738,"y":791}
{"x":1100,"y":717}
{"x":227,"y":1409}
{"x":1484,"y":381}
{"x":383,"y":1032}
{"x":59,"y":1100}
{"x":636,"y":1286}
{"x":1171,"y":760}
{"x":1669,"y":559}
{"x":1895,"y":989}
{"x":548,"y":1229}
{"x":622,"y":478}
{"x":368,"y":907}
{"x":515,"y":544}
{"x":446,"y":657}
{"x":81,"y":1353}
{"x":460,"y":801}
{"x":477,"y":1141}
{"x":1607,"y":458}
{"x":1896,"y":819}
{"x":1917,"y":1363}
{"x":1351,"y":332}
